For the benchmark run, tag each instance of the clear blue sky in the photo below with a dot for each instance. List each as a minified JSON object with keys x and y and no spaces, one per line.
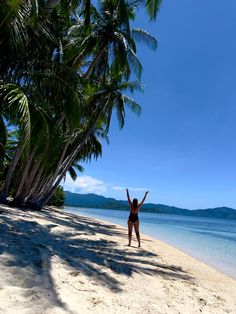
{"x":183,"y":146}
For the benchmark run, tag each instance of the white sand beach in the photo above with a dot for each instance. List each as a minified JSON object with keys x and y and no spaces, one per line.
{"x":55,"y":262}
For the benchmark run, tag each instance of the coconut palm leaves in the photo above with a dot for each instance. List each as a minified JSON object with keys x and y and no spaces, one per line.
{"x":153,"y":7}
{"x":15,"y":107}
{"x":66,"y":66}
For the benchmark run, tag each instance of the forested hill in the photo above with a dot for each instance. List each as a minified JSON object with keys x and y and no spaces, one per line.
{"x":98,"y":201}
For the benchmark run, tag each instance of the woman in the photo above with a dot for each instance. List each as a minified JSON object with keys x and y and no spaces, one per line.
{"x":133,"y":217}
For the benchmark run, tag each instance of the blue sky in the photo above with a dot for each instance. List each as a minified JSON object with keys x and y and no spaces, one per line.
{"x":183,"y":146}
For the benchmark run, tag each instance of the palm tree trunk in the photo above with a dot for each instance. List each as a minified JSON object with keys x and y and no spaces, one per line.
{"x":36,"y":183}
{"x":33,"y":172}
{"x":75,"y":153}
{"x":19,"y":197}
{"x":34,"y":199}
{"x":36,"y":175}
{"x":5,"y":188}
{"x":94,"y":62}
{"x":40,"y":200}
{"x":59,"y":164}
{"x":43,"y":187}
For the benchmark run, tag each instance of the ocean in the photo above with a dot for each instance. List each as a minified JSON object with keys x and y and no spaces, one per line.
{"x":213,"y":241}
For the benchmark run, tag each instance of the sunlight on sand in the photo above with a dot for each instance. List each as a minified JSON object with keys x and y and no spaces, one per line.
{"x":55,"y":262}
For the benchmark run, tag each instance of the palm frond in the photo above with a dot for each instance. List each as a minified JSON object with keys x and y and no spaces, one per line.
{"x":120,"y":110}
{"x":34,"y":11}
{"x":131,"y":86}
{"x":72,"y":173}
{"x":17,"y":106}
{"x":134,"y":63}
{"x":3,"y":138}
{"x":135,"y":107}
{"x":153,"y":7}
{"x":79,"y":167}
{"x":143,"y":36}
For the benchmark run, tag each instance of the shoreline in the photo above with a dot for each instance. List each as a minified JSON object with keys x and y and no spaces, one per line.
{"x":192,"y":256}
{"x":154,"y":239}
{"x":207,"y":261}
{"x":59,"y":262}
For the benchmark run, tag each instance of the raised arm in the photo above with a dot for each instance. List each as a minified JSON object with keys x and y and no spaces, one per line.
{"x":129,"y":200}
{"x":146,"y":193}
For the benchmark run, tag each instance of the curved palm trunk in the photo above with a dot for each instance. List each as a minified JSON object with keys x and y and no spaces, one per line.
{"x":94,"y":62}
{"x":33,"y":201}
{"x":32,"y":175}
{"x":59,"y":165}
{"x":43,"y":201}
{"x":5,"y":188}
{"x":42,"y":188}
{"x":35,"y":186}
{"x":20,"y":195}
{"x":35,"y":176}
{"x":43,"y":196}
{"x":39,"y":186}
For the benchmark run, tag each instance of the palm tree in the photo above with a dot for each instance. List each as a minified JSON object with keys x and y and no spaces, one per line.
{"x":14,"y":108}
{"x":20,"y":64}
{"x":109,"y":98}
{"x":64,"y":165}
{"x":65,"y":69}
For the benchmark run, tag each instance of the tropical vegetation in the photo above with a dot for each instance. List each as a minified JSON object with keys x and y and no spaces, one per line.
{"x":58,"y":198}
{"x":65,"y":66}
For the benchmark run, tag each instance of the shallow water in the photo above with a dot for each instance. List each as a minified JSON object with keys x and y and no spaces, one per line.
{"x":210,"y":240}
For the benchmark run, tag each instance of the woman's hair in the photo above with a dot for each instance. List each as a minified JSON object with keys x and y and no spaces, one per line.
{"x":135,"y":203}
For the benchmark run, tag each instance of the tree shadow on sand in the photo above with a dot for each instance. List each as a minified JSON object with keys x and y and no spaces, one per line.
{"x":32,"y":245}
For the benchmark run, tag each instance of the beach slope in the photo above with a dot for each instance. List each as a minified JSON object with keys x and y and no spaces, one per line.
{"x":56,"y":262}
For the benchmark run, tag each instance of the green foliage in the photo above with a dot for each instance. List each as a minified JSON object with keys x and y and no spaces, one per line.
{"x":58,"y":197}
{"x":153,"y":6}
{"x":65,"y":67}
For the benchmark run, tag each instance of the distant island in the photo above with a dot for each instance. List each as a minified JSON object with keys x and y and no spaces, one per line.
{"x":98,"y":201}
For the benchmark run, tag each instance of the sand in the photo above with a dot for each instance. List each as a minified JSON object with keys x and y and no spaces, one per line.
{"x":55,"y":262}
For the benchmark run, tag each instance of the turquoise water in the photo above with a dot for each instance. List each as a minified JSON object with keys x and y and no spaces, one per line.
{"x":212,"y":241}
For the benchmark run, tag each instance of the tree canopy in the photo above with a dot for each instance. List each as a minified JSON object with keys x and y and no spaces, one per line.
{"x":65,"y":67}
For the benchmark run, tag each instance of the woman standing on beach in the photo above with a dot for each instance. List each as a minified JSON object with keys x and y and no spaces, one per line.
{"x":133,"y":217}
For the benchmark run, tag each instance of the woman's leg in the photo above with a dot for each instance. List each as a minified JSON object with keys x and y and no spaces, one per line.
{"x":130,"y":227}
{"x":136,"y":228}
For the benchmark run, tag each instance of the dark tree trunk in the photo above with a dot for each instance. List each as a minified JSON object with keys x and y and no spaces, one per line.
{"x":5,"y":188}
{"x":20,"y":196}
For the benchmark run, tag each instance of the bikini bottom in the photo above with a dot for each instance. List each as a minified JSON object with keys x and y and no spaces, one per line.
{"x":133,"y":218}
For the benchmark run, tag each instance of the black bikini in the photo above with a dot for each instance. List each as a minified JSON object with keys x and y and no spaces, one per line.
{"x":133,"y":217}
